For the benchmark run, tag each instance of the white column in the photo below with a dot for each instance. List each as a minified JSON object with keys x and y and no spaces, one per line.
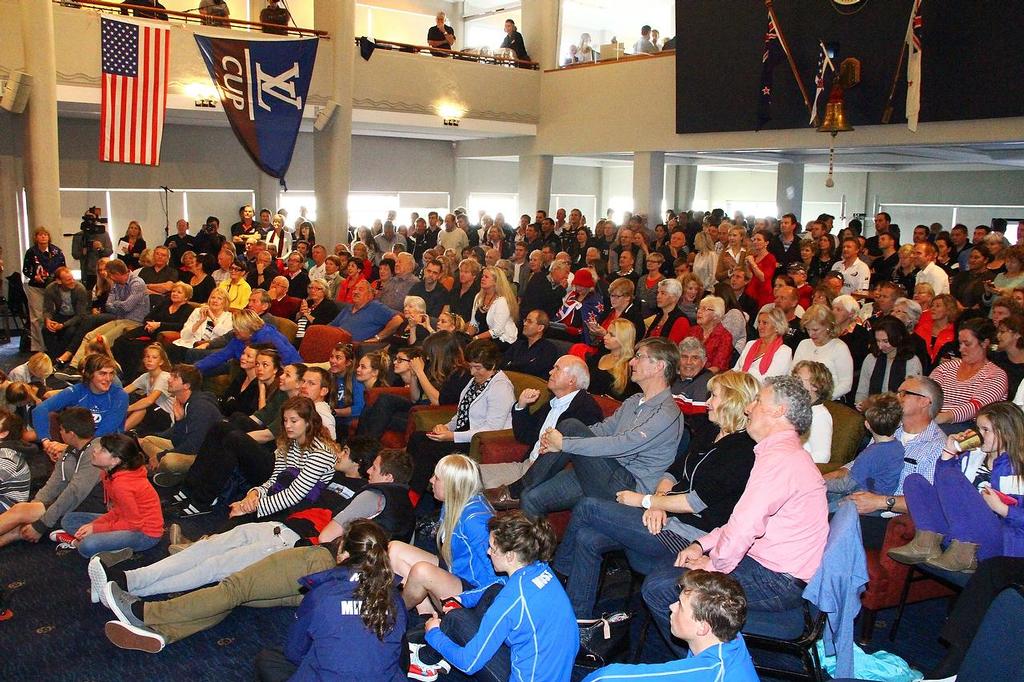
{"x":540,"y":29}
{"x":535,"y":183}
{"x":42,"y":161}
{"x":332,"y":146}
{"x":267,"y":192}
{"x":648,"y":185}
{"x":685,"y":186}
{"x":789,"y":189}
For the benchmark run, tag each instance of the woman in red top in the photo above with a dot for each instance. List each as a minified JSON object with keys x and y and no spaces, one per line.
{"x":762,"y":268}
{"x":353,"y":276}
{"x":133,"y":519}
{"x":936,"y":325}
{"x":709,"y":331}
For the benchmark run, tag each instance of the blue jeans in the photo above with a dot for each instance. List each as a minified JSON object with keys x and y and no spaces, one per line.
{"x":766,"y":590}
{"x":597,"y":527}
{"x":105,"y":542}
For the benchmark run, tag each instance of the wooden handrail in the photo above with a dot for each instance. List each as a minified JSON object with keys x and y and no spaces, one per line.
{"x":618,"y":60}
{"x":187,"y":17}
{"x":458,"y":54}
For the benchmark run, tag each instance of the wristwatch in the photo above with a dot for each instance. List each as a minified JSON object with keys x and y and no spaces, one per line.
{"x":890,"y":502}
{"x":646,"y":502}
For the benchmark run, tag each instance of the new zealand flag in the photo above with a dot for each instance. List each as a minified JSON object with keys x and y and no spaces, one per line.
{"x":769,"y":60}
{"x":263,"y":85}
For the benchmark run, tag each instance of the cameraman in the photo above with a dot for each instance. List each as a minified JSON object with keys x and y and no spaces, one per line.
{"x":209,"y":239}
{"x":90,"y":244}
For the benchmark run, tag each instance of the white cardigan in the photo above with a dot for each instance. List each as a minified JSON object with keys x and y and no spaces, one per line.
{"x":780,"y":364}
{"x":499,"y":320}
{"x":491,"y":411}
{"x":223,"y":324}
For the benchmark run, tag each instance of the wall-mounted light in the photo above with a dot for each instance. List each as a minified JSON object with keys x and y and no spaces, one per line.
{"x":450,"y":113}
{"x":204,"y":94}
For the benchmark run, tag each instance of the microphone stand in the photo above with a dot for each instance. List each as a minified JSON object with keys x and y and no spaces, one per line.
{"x":165,"y":203}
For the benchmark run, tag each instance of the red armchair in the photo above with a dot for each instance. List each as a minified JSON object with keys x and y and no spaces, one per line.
{"x":886,"y":578}
{"x":390,"y":439}
{"x":319,"y":340}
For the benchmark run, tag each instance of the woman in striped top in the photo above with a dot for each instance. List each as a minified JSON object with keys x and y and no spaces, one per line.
{"x":971,"y":381}
{"x":303,"y":465}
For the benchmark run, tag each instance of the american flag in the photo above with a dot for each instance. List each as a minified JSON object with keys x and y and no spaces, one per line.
{"x":134,"y":61}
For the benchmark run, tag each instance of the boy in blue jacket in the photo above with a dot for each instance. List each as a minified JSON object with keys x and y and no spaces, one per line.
{"x":708,"y":616}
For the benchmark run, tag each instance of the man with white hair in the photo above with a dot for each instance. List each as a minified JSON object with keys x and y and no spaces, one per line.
{"x":281,"y":304}
{"x":774,"y":541}
{"x":568,"y":382}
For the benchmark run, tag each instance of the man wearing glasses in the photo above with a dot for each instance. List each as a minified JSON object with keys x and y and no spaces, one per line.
{"x":628,"y":451}
{"x":923,"y":440}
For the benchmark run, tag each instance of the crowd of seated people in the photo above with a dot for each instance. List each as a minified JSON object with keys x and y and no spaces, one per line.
{"x":671,"y":388}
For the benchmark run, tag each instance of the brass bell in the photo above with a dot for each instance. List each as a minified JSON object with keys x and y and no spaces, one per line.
{"x":835,"y":113}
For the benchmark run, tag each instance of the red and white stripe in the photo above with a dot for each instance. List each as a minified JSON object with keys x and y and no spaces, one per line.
{"x":132,"y":109}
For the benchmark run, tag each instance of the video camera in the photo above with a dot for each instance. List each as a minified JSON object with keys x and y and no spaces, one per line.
{"x":92,"y":224}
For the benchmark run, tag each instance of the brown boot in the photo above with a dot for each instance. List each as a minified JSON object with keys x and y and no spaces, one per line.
{"x":958,"y":557}
{"x":501,"y":498}
{"x":925,"y":545}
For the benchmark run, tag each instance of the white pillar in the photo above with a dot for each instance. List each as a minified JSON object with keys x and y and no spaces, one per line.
{"x":332,"y":146}
{"x":685,"y":186}
{"x":789,"y":190}
{"x":648,"y":185}
{"x":540,"y":29}
{"x":42,"y":160}
{"x":535,"y":183}
{"x":267,"y":192}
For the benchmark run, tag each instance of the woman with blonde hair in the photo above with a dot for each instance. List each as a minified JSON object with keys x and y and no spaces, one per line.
{"x":154,"y":412}
{"x":767,"y":355}
{"x":495,"y":309}
{"x":131,"y":245}
{"x":696,"y":495}
{"x":734,"y":255}
{"x":609,"y":367}
{"x":462,"y":539}
{"x":206,"y":322}
{"x":822,"y":345}
{"x":705,"y":265}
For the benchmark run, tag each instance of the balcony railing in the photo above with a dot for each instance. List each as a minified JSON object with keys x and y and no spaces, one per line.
{"x":615,"y":60}
{"x":462,"y":55}
{"x":149,"y":12}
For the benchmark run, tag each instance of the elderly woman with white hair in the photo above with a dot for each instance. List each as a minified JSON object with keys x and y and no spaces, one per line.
{"x":767,"y":355}
{"x":907,"y":311}
{"x":316,"y":308}
{"x":669,"y":321}
{"x":709,"y":331}
{"x":850,"y":330}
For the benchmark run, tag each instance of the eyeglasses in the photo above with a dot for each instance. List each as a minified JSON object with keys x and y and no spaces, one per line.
{"x":641,"y":357}
{"x":903,"y":393}
{"x":401,"y":359}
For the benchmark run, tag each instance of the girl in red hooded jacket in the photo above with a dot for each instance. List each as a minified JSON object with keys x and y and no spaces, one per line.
{"x":133,"y":520}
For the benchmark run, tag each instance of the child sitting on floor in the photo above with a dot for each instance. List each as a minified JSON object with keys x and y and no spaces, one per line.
{"x":133,"y":520}
{"x":877,"y":468}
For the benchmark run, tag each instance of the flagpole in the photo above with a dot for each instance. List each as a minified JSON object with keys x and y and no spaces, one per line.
{"x":789,"y":56}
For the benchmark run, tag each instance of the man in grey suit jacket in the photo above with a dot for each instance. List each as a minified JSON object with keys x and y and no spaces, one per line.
{"x":65,"y":305}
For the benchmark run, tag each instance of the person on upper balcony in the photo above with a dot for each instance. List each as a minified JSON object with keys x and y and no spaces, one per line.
{"x":514,"y":41}
{"x":441,"y":35}
{"x":275,"y":18}
{"x":644,"y":45}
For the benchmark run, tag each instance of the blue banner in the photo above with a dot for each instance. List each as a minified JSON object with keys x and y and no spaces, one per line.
{"x":263,"y":84}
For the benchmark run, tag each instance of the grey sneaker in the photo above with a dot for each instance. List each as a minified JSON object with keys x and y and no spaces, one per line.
{"x":97,"y":580}
{"x":133,"y":637}
{"x":120,"y":602}
{"x":115,"y":557}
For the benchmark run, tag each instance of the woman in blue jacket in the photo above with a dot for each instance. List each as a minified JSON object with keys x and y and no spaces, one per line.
{"x":962,"y":507}
{"x":462,"y":539}
{"x":351,"y":622}
{"x":528,"y":632}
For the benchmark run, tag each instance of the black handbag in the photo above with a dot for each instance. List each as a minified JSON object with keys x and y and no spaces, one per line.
{"x":602,"y":639}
